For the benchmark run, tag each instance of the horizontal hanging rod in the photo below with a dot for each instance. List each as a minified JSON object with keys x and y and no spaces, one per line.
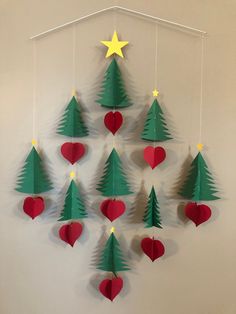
{"x":137,"y":13}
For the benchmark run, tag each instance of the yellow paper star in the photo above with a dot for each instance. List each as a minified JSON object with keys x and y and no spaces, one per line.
{"x":155,"y":93}
{"x":72,"y":174}
{"x":114,"y":46}
{"x":74,"y":93}
{"x":34,"y":142}
{"x":112,"y":230}
{"x":200,"y":146}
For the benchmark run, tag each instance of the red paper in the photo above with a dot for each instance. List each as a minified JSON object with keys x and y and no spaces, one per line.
{"x":33,"y":206}
{"x":113,"y":121}
{"x":154,"y":155}
{"x":72,"y":151}
{"x":152,"y":248}
{"x":112,"y":208}
{"x":197,"y":213}
{"x":110,"y":288}
{"x":70,"y":232}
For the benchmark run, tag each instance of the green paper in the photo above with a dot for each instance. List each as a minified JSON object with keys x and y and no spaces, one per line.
{"x":33,"y":178}
{"x":199,"y":185}
{"x":72,"y":124}
{"x":113,"y":94}
{"x":74,"y":206}
{"x":152,"y":216}
{"x":111,"y":258}
{"x":113,"y":181}
{"x":155,"y":128}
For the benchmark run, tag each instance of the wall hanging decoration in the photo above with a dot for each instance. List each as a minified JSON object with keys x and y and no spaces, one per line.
{"x":113,"y":184}
{"x":112,"y":260}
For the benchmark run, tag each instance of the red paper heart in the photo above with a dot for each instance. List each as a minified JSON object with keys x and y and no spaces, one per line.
{"x":110,"y":288}
{"x":152,"y":248}
{"x":154,"y":155}
{"x":70,"y":232}
{"x":112,"y":209}
{"x":113,"y":121}
{"x":33,"y":206}
{"x":72,"y":151}
{"x":197,"y":213}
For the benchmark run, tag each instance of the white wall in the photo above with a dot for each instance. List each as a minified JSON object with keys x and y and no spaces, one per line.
{"x":38,"y":274}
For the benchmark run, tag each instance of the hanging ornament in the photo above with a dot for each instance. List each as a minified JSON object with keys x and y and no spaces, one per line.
{"x":113,"y":121}
{"x":113,"y":94}
{"x":198,"y":213}
{"x":112,"y":208}
{"x":33,"y":206}
{"x":152,"y":216}
{"x":154,"y":155}
{"x":115,"y":46}
{"x":110,"y":288}
{"x":73,"y":152}
{"x":70,"y":232}
{"x":72,"y":124}
{"x":33,"y":178}
{"x":152,"y":248}
{"x":113,"y":181}
{"x":155,"y":128}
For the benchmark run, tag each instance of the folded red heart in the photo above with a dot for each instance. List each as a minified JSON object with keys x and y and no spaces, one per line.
{"x":113,"y":121}
{"x":72,"y":152}
{"x":112,"y":208}
{"x":198,"y":213}
{"x":110,"y":288}
{"x":33,"y":206}
{"x":154,"y":155}
{"x":152,"y":248}
{"x":71,"y":232}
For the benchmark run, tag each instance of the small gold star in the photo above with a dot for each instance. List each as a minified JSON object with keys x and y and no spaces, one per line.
{"x":74,"y":92}
{"x":114,"y":46}
{"x":34,"y":142}
{"x":112,"y":230}
{"x":155,"y":92}
{"x":200,"y":147}
{"x":72,"y":174}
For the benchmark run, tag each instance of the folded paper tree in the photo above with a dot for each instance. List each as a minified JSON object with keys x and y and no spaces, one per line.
{"x":152,"y":216}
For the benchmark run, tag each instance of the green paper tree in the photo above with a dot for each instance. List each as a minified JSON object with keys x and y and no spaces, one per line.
{"x":152,"y":216}
{"x":33,"y":178}
{"x":155,"y":128}
{"x":113,"y":94}
{"x":199,"y":184}
{"x":113,"y":181}
{"x":111,"y":258}
{"x":74,"y":207}
{"x":72,"y":124}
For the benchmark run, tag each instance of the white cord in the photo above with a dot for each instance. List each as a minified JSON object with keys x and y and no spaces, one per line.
{"x":156,"y":55}
{"x":201,"y":87}
{"x":34,"y":91}
{"x":74,"y":58}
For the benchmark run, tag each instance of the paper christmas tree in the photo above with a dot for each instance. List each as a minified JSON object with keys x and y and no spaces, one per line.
{"x":113,"y":94}
{"x":155,"y":128}
{"x":111,"y":258}
{"x":199,"y":184}
{"x":72,"y":124}
{"x":113,"y":181}
{"x":74,"y":207}
{"x":33,"y":178}
{"x":152,"y":215}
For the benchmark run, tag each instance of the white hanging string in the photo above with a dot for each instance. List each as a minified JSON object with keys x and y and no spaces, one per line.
{"x":201,"y":87}
{"x":34,"y":91}
{"x":74,"y":59}
{"x":156,"y":54}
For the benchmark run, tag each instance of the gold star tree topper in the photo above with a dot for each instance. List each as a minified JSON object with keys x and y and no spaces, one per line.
{"x":114,"y":46}
{"x":155,"y":92}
